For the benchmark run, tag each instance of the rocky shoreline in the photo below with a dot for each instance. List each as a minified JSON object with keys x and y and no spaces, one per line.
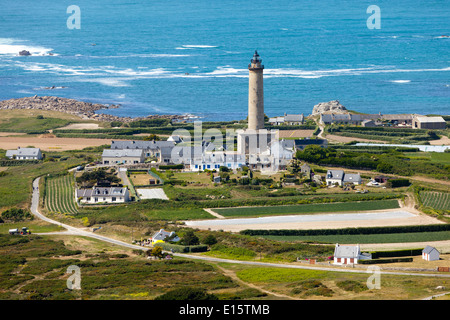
{"x":84,"y":110}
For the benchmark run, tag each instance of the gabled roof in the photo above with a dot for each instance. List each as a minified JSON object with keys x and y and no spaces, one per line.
{"x":162,"y":234}
{"x":293,"y":117}
{"x":347,"y":251}
{"x":335,"y":174}
{"x":23,"y":152}
{"x":351,"y":177}
{"x":430,"y":119}
{"x":429,"y":249}
{"x":120,"y":153}
{"x":102,"y":191}
{"x":140,"y":144}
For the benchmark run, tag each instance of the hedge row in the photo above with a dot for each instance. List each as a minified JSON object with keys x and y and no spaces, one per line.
{"x":349,"y":231}
{"x":182,"y":249}
{"x":396,"y":183}
{"x":396,"y":253}
{"x":12,"y":163}
{"x":375,"y":261}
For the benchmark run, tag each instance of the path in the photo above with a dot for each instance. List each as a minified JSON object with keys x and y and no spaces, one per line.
{"x":80,"y":232}
{"x":233,"y":276}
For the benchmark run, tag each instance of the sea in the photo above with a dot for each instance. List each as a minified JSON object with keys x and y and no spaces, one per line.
{"x":191,"y":56}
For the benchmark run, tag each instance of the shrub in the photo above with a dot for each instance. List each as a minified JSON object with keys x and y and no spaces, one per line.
{"x":16,"y":214}
{"x":351,"y":285}
{"x":188,"y":294}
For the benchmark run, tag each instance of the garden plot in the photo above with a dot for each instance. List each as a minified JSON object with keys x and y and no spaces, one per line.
{"x":388,"y":217}
{"x":153,"y":193}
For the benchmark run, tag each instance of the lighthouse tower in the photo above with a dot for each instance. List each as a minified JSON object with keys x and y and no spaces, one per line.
{"x":255,"y":94}
{"x":255,"y":140}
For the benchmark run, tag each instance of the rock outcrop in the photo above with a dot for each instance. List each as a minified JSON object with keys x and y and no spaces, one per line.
{"x":329,"y":107}
{"x":24,"y":53}
{"x":84,"y":110}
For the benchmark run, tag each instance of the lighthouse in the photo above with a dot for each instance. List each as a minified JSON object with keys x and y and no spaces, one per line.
{"x":255,"y":140}
{"x":255,"y":93}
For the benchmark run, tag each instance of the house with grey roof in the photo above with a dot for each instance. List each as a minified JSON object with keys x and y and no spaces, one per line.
{"x":341,"y":178}
{"x":215,"y":160}
{"x":122,"y":156}
{"x":287,"y":119}
{"x":24,"y":154}
{"x":161,"y":236}
{"x":150,"y":148}
{"x":354,"y":178}
{"x":423,"y":122}
{"x":334,"y":176}
{"x":98,"y":195}
{"x":305,"y":169}
{"x":349,"y":255}
{"x":430,"y":254}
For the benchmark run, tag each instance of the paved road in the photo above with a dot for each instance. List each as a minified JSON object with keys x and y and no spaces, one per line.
{"x":81,"y":232}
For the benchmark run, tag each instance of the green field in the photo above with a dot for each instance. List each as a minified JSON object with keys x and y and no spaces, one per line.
{"x":309,"y":208}
{"x":15,"y":186}
{"x":60,"y":195}
{"x":369,"y":238}
{"x":436,"y":200}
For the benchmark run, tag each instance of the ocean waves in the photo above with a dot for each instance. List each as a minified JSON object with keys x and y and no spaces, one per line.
{"x":111,"y":75}
{"x":12,"y":47}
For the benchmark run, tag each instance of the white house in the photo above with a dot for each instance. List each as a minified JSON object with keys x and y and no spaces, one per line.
{"x":354,"y":178}
{"x":430,"y":253}
{"x":340,"y":177}
{"x":349,"y":255}
{"x":97,"y":195}
{"x":334,"y":176}
{"x":161,"y":235}
{"x":215,"y":160}
{"x":25,"y":154}
{"x":122,"y":156}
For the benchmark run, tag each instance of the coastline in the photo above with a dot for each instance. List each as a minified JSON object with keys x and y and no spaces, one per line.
{"x":84,"y":110}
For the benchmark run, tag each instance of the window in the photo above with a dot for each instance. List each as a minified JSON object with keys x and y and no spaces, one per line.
{"x":113,"y":199}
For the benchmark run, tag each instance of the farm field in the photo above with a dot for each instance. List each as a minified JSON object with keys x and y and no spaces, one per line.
{"x":436,"y":200}
{"x":308,"y":208}
{"x":60,"y":195}
{"x":369,"y":238}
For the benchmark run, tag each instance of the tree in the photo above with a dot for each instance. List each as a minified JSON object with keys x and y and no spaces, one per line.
{"x":156,"y":252}
{"x":209,"y":240}
{"x":98,"y":176}
{"x":190,"y":239}
{"x":152,"y":137}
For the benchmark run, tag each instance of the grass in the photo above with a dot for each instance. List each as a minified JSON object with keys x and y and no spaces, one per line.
{"x":35,"y":226}
{"x":315,"y":284}
{"x":27,"y":120}
{"x":309,"y":208}
{"x":16,"y":186}
{"x":35,"y":268}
